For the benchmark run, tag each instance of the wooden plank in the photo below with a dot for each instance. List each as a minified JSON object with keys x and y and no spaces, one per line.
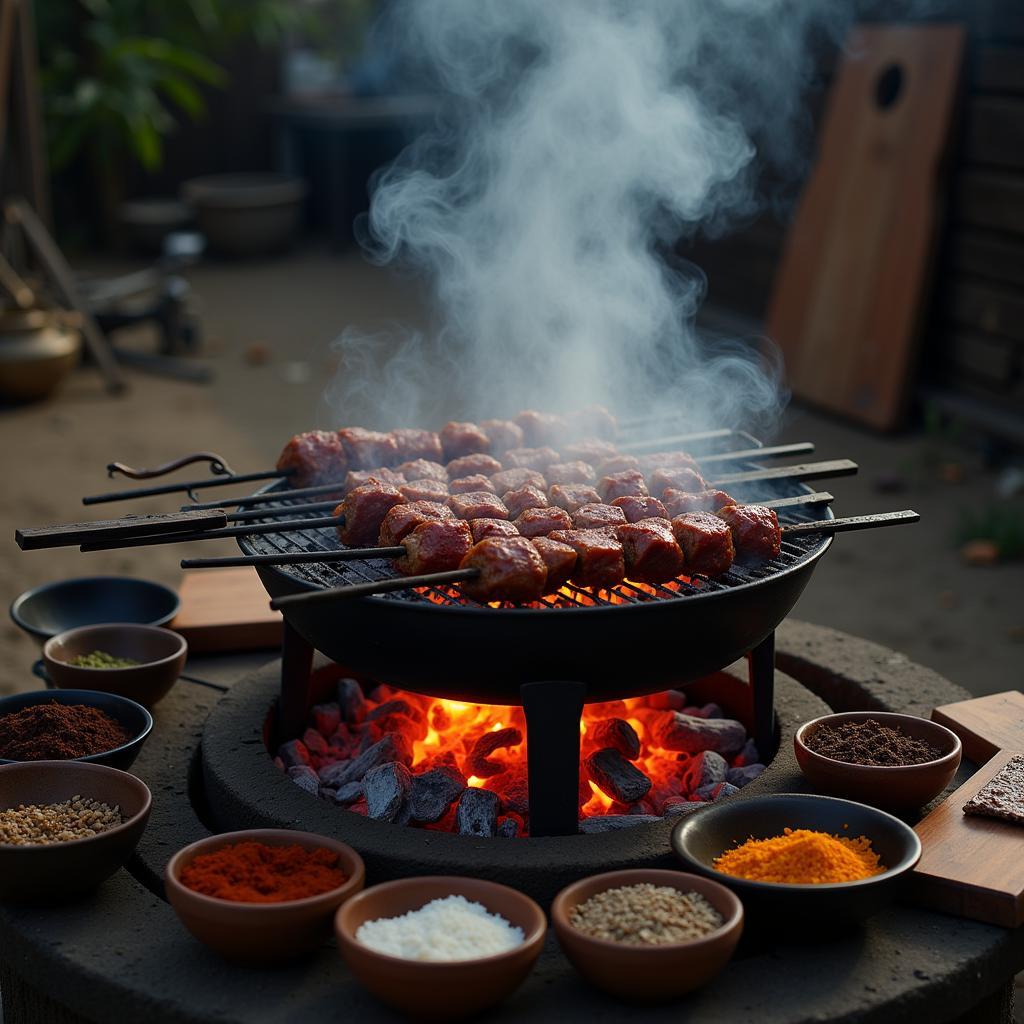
{"x":31,"y":538}
{"x":997,"y":258}
{"x":853,"y":280}
{"x":972,"y":867}
{"x":990,"y":199}
{"x":994,"y":132}
{"x":226,"y":610}
{"x":999,"y":69}
{"x":987,"y":724}
{"x":989,"y":308}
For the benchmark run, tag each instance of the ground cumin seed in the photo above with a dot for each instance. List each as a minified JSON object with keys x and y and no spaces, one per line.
{"x":870,"y":743}
{"x":77,"y":818}
{"x":645,"y":915}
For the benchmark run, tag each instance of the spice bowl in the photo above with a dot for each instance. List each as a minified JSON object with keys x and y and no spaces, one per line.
{"x":648,"y":973}
{"x":896,"y":786}
{"x":262,"y":933}
{"x":160,"y":654}
{"x":440,"y":989}
{"x":135,"y":719}
{"x":55,"y":872}
{"x":705,"y":835}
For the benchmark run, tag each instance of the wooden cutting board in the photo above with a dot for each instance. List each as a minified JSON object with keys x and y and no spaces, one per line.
{"x":972,"y":867}
{"x":986,"y":725}
{"x":226,"y":610}
{"x":849,"y":295}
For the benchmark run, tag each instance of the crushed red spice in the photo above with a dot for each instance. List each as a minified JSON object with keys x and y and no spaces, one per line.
{"x":870,"y":743}
{"x":58,"y":732}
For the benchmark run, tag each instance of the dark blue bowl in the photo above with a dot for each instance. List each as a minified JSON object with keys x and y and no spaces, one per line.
{"x":137,"y":721}
{"x":53,"y":608}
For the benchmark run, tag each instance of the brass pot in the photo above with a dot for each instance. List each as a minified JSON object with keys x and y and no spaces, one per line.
{"x":38,"y":349}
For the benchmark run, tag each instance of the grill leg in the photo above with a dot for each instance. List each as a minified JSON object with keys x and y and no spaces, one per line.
{"x":296,"y":695}
{"x":761,"y":675}
{"x":553,"y":713}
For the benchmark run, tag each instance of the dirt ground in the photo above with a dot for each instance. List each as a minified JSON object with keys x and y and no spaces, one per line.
{"x":907,"y":588}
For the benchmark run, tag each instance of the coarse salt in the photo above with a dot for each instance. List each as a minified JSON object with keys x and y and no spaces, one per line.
{"x":452,"y":928}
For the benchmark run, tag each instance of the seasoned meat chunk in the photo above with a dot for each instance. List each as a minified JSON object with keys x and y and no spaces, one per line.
{"x":560,"y":560}
{"x":596,"y":516}
{"x":477,"y":505}
{"x":592,"y":421}
{"x":679,"y":502}
{"x":477,"y":464}
{"x":637,"y":506}
{"x":664,"y":460}
{"x":522,"y":498}
{"x":437,"y":546}
{"x":357,"y":477}
{"x":465,"y":484}
{"x":628,"y":481}
{"x":599,"y":557}
{"x":707,"y":548}
{"x":364,"y":510}
{"x":512,"y":479}
{"x":616,"y":464}
{"x":484,"y":528}
{"x":365,"y":449}
{"x":427,"y":489}
{"x":676,"y":478}
{"x":403,"y":519}
{"x":459,"y":439}
{"x":504,"y":434}
{"x":530,"y":458}
{"x":540,"y":428}
{"x":755,"y":531}
{"x":539,"y":522}
{"x":420,"y":469}
{"x":572,"y":496}
{"x":577,"y":472}
{"x":511,"y":569}
{"x":316,"y":457}
{"x":591,"y":449}
{"x":418,"y":444}
{"x":651,"y":551}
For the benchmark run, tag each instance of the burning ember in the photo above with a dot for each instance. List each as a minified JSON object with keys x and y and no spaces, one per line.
{"x":442,"y":764}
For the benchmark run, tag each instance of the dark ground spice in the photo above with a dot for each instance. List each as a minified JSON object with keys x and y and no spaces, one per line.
{"x":870,"y":743}
{"x":58,"y":732}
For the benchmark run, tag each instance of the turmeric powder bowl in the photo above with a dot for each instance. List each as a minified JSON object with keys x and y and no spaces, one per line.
{"x":721,"y":830}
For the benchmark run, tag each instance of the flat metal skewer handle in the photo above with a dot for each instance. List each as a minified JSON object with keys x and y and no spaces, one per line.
{"x":851,"y":523}
{"x":292,"y":558}
{"x":369,"y":589}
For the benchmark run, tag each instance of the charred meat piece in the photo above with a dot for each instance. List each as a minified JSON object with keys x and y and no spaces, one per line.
{"x":665,"y":460}
{"x":427,"y":489}
{"x":364,"y":510}
{"x":539,"y":522}
{"x":484,"y":528}
{"x":420,"y":469}
{"x":577,"y":472}
{"x":599,"y":557}
{"x":458,"y":439}
{"x":365,"y":449}
{"x":477,"y":464}
{"x":530,"y":458}
{"x":540,"y":428}
{"x":504,"y":434}
{"x":628,"y":481}
{"x":596,"y":516}
{"x":418,"y":444}
{"x":560,"y":560}
{"x":316,"y":457}
{"x":616,"y":464}
{"x":679,"y":502}
{"x":591,"y":449}
{"x":592,"y":421}
{"x":707,"y":548}
{"x":638,"y":506}
{"x":572,"y":496}
{"x":522,"y":498}
{"x":512,"y":479}
{"x":357,"y":477}
{"x":465,"y":484}
{"x":401,"y":520}
{"x":437,"y":546}
{"x":676,"y":478}
{"x":755,"y":531}
{"x":510,"y":568}
{"x":651,"y":551}
{"x":478,"y":505}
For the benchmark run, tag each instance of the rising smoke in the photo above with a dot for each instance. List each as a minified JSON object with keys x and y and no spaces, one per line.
{"x":584,"y":139}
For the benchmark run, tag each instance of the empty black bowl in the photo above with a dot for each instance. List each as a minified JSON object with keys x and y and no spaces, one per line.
{"x":56,"y":607}
{"x":703,"y":836}
{"x":137,"y":721}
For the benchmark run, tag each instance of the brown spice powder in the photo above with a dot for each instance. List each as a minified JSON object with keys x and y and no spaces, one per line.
{"x":870,"y":743}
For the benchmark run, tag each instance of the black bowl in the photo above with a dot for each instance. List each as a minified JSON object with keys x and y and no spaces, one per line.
{"x":56,"y":607}
{"x":137,"y":721}
{"x":703,"y":836}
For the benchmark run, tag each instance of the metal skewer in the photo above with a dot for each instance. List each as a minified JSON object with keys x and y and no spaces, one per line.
{"x":186,"y":485}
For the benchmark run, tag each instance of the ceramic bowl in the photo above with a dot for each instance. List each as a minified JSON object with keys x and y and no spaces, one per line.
{"x":261,"y":933}
{"x":706,"y":834}
{"x":902,"y":787}
{"x":161,"y":654}
{"x":137,"y":721}
{"x":440,"y":990}
{"x":55,"y":872}
{"x":56,"y":607}
{"x":648,"y":973}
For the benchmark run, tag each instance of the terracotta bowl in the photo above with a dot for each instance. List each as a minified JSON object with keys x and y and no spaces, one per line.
{"x":55,"y":872}
{"x":261,"y":932}
{"x":904,"y":787}
{"x":431,"y":989}
{"x":648,"y":973}
{"x":161,"y":654}
{"x":137,"y":721}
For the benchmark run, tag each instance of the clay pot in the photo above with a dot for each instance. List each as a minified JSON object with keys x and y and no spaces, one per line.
{"x":38,"y":349}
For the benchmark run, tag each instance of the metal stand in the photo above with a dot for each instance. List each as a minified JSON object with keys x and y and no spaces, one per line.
{"x":761,"y":676}
{"x":296,"y":693}
{"x":553,"y":713}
